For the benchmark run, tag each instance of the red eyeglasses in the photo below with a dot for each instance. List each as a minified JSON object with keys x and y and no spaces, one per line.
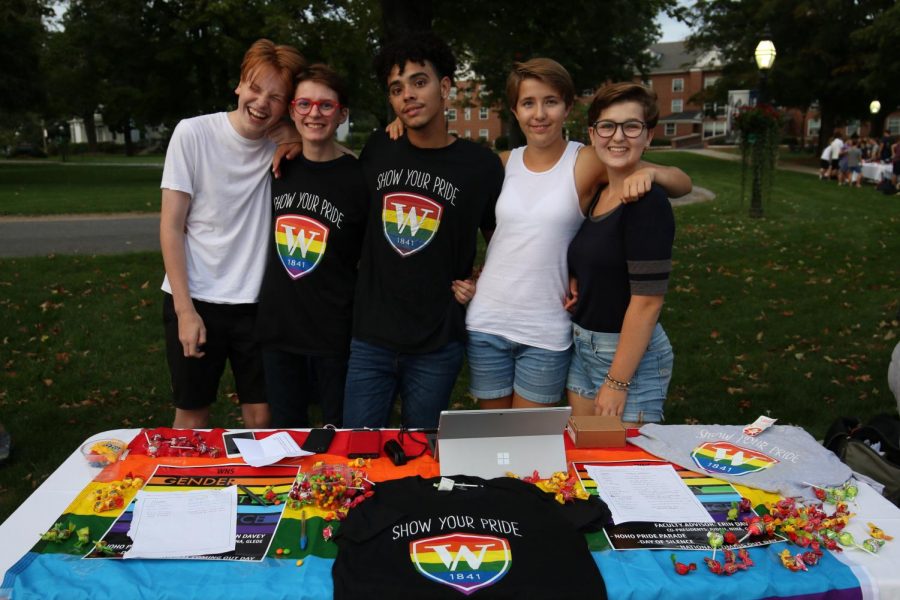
{"x":304,"y":106}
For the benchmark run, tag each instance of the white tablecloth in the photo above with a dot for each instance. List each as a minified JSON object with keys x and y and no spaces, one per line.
{"x":875,"y":171}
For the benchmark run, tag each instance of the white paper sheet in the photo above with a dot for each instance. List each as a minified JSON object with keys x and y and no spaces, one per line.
{"x":651,"y":493}
{"x":269,"y":450}
{"x":179,"y":524}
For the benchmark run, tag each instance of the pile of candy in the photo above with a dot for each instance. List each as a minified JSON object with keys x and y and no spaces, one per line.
{"x":734,"y":562}
{"x":681,"y":568}
{"x":836,"y":495}
{"x":336,"y":488}
{"x":183,"y":445}
{"x":564,"y":487}
{"x":112,"y":495}
{"x":60,"y":533}
{"x":102,"y":452}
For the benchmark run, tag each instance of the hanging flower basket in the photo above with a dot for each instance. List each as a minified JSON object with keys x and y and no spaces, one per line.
{"x":760,"y":127}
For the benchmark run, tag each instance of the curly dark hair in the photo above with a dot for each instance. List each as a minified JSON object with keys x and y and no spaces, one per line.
{"x":415,"y":47}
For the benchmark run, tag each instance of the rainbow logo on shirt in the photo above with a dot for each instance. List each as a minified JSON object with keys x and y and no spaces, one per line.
{"x":300,"y":243}
{"x":410,"y":221}
{"x":727,"y":459}
{"x":463,"y":561}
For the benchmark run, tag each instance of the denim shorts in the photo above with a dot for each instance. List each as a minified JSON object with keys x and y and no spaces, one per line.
{"x":498,"y":366}
{"x":592,"y":357}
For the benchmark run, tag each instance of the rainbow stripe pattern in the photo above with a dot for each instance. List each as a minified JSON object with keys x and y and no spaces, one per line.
{"x":410,"y":221}
{"x":462,"y":561}
{"x":300,"y":243}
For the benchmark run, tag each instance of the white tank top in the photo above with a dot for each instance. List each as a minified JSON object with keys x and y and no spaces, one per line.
{"x":521,"y":291}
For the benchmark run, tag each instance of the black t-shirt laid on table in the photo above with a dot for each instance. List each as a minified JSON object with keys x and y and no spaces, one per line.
{"x":318,"y":223}
{"x":504,"y":539}
{"x":427,"y":205}
{"x":625,"y":252}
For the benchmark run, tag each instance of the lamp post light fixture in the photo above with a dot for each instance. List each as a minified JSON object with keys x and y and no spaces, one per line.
{"x":875,"y":107}
{"x":765,"y":58}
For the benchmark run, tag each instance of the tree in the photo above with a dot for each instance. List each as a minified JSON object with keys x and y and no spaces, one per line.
{"x":22,"y":31}
{"x":820,"y":59}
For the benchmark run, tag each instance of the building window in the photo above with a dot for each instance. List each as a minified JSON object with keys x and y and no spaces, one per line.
{"x":813,"y":126}
{"x":467,"y":114}
{"x":483,"y":134}
{"x":714,"y":109}
{"x":587,"y":92}
{"x":713,"y":128}
{"x":670,"y":129}
{"x":677,"y":106}
{"x":453,"y":93}
{"x":893,"y":125}
{"x":678,"y":84}
{"x":453,"y":132}
{"x":483,"y":113}
{"x":451,"y":114}
{"x":710,"y":81}
{"x":468,"y":134}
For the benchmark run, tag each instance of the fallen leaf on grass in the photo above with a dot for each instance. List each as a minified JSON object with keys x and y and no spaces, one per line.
{"x":48,"y":382}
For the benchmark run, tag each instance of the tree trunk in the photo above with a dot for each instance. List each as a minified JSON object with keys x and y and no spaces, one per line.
{"x":826,"y":126}
{"x":90,"y":129}
{"x":876,"y":124}
{"x":126,"y":129}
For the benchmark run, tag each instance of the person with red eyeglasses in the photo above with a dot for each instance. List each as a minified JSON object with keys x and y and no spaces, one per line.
{"x":319,"y":208}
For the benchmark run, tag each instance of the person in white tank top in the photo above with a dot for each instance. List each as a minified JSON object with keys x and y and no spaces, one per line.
{"x":519,"y":330}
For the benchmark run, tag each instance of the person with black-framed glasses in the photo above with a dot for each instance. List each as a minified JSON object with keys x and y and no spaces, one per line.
{"x":619,"y":264}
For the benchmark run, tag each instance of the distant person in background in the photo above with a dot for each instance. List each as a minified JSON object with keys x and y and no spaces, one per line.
{"x":884,"y":149}
{"x":854,"y":163}
{"x":214,"y":225}
{"x":843,"y":167}
{"x":895,"y":159}
{"x":825,"y":161}
{"x":837,"y":147}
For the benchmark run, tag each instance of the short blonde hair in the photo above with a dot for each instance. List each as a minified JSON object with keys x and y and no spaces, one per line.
{"x":543,"y":69}
{"x":286,"y":61}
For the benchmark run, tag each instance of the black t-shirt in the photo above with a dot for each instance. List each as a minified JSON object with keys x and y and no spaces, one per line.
{"x":623,"y":252}
{"x":505,"y":539}
{"x":427,"y":205}
{"x":318,"y":222}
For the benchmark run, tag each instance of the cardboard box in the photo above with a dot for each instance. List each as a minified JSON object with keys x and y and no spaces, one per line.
{"x":596,"y":432}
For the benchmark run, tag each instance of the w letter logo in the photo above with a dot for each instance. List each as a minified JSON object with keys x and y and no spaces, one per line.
{"x":410,"y":221}
{"x":462,"y":561}
{"x":300,"y":243}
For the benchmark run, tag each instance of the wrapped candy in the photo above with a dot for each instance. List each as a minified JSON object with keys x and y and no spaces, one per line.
{"x":716,"y":539}
{"x":877,"y":533}
{"x":792,"y":563}
{"x":872,"y":545}
{"x":681,"y":568}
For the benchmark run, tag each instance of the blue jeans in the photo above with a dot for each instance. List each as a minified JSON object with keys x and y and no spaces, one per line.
{"x":376,"y":375}
{"x":593,"y":356}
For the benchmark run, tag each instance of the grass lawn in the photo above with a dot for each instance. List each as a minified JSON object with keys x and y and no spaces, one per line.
{"x":48,"y":188}
{"x":793,"y":315}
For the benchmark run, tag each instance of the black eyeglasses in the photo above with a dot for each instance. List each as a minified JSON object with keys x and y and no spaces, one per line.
{"x":631,"y":128}
{"x":304,"y":106}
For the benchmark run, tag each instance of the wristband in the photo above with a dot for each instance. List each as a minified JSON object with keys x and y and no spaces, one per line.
{"x":615,"y":384}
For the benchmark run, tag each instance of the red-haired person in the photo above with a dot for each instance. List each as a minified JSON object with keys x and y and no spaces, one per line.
{"x":621,"y":259}
{"x":213,"y":226}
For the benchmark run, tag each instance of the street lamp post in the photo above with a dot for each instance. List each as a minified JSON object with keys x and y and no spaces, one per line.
{"x":765,"y":57}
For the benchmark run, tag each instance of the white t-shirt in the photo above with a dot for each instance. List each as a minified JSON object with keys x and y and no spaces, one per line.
{"x":521,"y":291}
{"x":826,"y":153}
{"x":227,"y":177}
{"x":836,"y":146}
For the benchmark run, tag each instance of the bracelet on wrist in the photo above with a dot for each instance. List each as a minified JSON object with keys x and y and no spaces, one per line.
{"x":615,"y":384}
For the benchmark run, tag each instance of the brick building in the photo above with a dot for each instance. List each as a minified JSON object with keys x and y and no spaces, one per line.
{"x":676,"y":78}
{"x":469,"y":116}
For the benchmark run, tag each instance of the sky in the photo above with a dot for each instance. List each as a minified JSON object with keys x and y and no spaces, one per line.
{"x":672,"y":30}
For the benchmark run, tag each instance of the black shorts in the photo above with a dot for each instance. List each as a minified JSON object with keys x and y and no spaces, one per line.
{"x":835,"y":162}
{"x":897,"y":168}
{"x":824,"y":163}
{"x":231,"y":336}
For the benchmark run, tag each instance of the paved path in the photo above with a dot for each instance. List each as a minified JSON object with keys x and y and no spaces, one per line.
{"x":79,"y":234}
{"x":121,"y":233}
{"x":737,"y":157}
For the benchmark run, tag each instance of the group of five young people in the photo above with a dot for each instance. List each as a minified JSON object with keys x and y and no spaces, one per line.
{"x":388,"y":244}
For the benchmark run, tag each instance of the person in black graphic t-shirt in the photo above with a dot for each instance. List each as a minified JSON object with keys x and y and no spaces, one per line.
{"x":318,"y":222}
{"x":429,"y":194}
